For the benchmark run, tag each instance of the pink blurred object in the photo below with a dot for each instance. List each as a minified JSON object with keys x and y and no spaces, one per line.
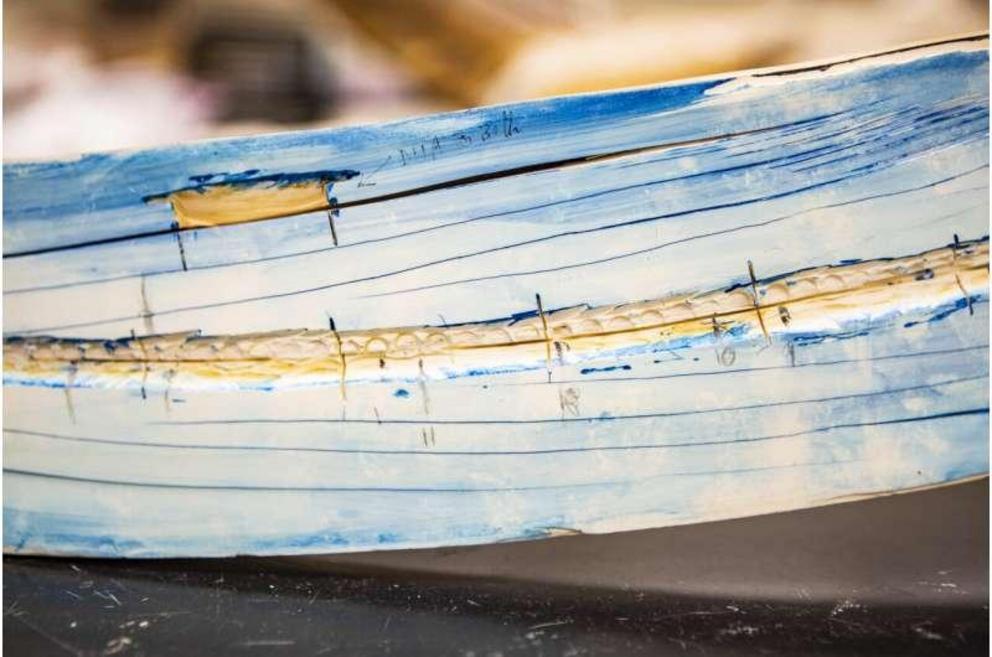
{"x":58,"y":103}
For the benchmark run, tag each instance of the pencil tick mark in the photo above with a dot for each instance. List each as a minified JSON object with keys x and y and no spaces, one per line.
{"x":71,"y":410}
{"x":344,"y":362}
{"x":957,"y":276}
{"x":146,"y":313}
{"x":330,"y":222}
{"x":757,"y":302}
{"x":165,"y":394}
{"x":422,"y":383}
{"x":144,"y":363}
{"x":547,"y":335}
{"x":179,"y":242}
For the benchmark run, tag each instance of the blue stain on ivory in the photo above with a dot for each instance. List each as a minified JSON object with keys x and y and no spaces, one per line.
{"x":883,"y":157}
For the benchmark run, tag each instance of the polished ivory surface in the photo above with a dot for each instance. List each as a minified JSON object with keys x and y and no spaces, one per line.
{"x":729,"y":296}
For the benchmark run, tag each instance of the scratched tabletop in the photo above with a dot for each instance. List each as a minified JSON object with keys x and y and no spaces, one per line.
{"x":908,"y":575}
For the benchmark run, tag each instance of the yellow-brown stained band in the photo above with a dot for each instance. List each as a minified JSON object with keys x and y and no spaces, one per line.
{"x":815,"y":297}
{"x":235,"y":204}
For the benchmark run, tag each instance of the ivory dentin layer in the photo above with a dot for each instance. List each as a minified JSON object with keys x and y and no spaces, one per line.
{"x":743,"y":294}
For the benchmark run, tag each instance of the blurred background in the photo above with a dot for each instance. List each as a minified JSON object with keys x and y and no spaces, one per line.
{"x":85,"y":75}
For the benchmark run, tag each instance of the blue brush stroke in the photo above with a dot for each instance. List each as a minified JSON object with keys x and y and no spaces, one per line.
{"x":608,"y":368}
{"x":249,"y":178}
{"x":127,"y":179}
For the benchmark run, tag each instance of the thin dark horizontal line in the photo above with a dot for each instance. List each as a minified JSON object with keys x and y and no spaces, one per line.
{"x":895,"y":51}
{"x":220,"y":304}
{"x":658,"y":247}
{"x":808,"y":135}
{"x":868,"y":152}
{"x":651,"y":249}
{"x":939,"y":352}
{"x":429,"y":452}
{"x":415,"y":191}
{"x":710,"y":473}
{"x":565,"y":420}
{"x":92,"y":243}
{"x":743,"y":370}
{"x":574,"y":161}
{"x":451,"y":224}
{"x":881,"y":132}
{"x":386,"y":238}
{"x":539,"y":166}
{"x":512,"y":489}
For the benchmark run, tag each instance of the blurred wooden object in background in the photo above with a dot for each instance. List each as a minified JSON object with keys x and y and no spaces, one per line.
{"x":455,"y":48}
{"x":472,"y":52}
{"x":104,"y":74}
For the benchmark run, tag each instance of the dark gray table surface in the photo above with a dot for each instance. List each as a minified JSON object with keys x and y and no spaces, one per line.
{"x":903,"y":575}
